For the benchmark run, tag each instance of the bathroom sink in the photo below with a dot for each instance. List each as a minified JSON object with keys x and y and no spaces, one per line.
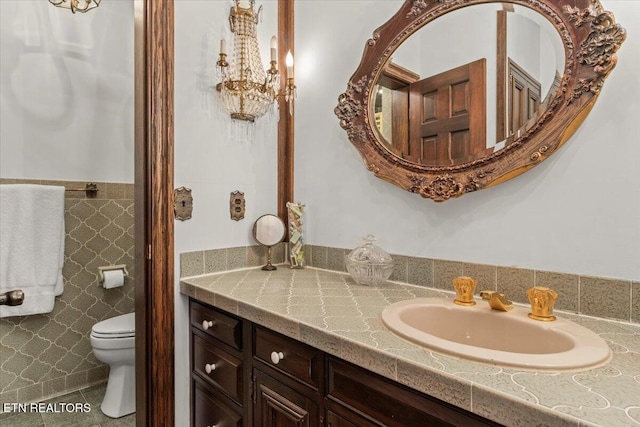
{"x":508,"y":338}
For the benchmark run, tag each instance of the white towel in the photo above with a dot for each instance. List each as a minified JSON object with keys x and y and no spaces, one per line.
{"x":31,"y":245}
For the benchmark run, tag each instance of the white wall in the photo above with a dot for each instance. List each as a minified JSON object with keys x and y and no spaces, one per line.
{"x":523,"y":43}
{"x":213,"y":157}
{"x":527,"y":30}
{"x":66,"y":92}
{"x":577,"y":212}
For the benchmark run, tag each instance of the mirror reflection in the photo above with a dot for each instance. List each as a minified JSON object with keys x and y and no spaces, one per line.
{"x":467,"y":84}
{"x":269,"y":230}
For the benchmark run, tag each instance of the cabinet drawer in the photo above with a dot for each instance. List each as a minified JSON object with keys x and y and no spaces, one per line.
{"x":210,"y":411}
{"x":286,"y":355}
{"x":217,"y":367}
{"x":389,"y":403}
{"x":217,"y":324}
{"x":353,"y":420}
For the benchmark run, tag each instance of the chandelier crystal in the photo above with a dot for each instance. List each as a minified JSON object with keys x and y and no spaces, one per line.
{"x":81,"y":6}
{"x":247,"y":91}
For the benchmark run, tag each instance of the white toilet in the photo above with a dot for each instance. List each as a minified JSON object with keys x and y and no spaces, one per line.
{"x":113,"y":342}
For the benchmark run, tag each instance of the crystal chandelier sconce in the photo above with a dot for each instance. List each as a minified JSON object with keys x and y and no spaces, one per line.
{"x":81,"y":6}
{"x":247,"y":91}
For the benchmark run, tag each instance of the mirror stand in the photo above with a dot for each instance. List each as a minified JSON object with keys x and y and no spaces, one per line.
{"x":269,"y":266}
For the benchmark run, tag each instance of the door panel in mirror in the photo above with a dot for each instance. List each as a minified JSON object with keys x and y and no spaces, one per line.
{"x":450,"y":123}
{"x":468,"y":35}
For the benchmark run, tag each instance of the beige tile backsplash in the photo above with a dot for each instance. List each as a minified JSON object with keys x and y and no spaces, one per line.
{"x":594,"y":296}
{"x":215,"y":260}
{"x":444,"y":272}
{"x":605,"y":297}
{"x":635,"y":302}
{"x":486,"y":275}
{"x":566,"y":285}
{"x":50,"y":354}
{"x":514,"y":282}
{"x":420,"y":271}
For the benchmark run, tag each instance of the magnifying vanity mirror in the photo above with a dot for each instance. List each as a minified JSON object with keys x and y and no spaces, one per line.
{"x":453,"y":96}
{"x":268,"y":230}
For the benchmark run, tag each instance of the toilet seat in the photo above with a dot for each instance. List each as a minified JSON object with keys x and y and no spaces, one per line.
{"x":122,"y":326}
{"x":112,"y":336}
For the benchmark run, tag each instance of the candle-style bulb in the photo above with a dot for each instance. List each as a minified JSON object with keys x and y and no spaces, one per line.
{"x":223,"y":46}
{"x":288,"y":60}
{"x":274,"y":46}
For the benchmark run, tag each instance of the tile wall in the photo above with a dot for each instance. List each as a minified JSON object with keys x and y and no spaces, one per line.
{"x":215,"y":260}
{"x":50,"y":354}
{"x":593,"y":296}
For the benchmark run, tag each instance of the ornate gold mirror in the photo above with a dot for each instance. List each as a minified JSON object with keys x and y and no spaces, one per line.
{"x":481,"y":94}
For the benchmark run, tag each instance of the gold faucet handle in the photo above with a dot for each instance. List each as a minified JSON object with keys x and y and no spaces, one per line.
{"x":542,"y":300}
{"x":465,"y":287}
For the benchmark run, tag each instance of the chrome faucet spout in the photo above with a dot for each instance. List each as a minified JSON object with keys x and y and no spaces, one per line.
{"x":497,"y":301}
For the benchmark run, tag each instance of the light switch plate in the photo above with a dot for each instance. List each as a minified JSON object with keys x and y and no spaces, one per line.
{"x":182,"y":203}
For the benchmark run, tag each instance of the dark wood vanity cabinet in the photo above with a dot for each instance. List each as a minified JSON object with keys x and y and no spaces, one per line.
{"x":247,"y":375}
{"x":218,"y":375}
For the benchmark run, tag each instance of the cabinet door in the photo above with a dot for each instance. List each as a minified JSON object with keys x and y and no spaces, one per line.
{"x":208,"y":410}
{"x":277,"y":405}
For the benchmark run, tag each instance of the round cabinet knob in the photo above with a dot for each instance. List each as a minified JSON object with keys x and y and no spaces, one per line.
{"x":206,"y":324}
{"x":208,"y":368}
{"x":276,"y":357}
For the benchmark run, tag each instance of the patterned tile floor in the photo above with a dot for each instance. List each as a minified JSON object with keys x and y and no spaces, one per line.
{"x":93,"y":418}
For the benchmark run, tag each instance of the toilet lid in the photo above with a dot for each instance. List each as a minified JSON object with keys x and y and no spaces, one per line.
{"x":115,"y":327}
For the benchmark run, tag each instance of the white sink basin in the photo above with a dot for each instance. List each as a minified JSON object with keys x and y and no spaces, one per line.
{"x":502,"y":338}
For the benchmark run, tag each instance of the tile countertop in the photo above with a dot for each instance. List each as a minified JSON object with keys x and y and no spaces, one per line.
{"x":329,"y":311}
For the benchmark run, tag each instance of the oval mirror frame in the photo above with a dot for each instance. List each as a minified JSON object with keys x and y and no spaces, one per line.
{"x":591,"y":38}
